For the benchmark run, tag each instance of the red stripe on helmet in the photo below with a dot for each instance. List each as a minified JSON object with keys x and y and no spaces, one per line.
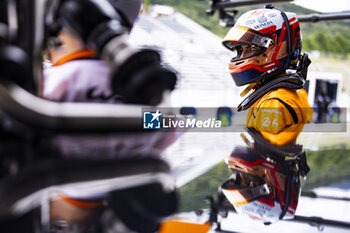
{"x":247,"y":67}
{"x":268,"y":29}
{"x":283,"y":32}
{"x":292,"y":19}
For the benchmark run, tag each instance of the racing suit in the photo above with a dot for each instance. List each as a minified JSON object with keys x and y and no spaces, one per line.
{"x":280,"y":115}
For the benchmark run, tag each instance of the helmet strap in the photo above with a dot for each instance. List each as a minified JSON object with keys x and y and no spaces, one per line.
{"x":247,"y":89}
{"x":288,"y":197}
{"x":289,"y":34}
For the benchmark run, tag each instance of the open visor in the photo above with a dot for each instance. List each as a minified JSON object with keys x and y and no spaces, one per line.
{"x":238,"y":195}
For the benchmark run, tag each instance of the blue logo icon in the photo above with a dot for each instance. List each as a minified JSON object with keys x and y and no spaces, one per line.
{"x":151,"y":120}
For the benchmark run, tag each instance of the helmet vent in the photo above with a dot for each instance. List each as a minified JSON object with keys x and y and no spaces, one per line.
{"x":238,"y":63}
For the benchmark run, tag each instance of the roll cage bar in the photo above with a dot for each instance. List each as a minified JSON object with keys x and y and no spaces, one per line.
{"x":227,"y":13}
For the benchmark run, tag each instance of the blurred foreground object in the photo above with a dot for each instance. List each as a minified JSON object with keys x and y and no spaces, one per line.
{"x":52,"y":151}
{"x":100,"y":30}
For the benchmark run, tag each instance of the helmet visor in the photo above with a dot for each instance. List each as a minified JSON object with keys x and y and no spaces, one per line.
{"x":245,"y":43}
{"x":243,"y":51}
{"x":246,"y":35}
{"x":238,"y":195}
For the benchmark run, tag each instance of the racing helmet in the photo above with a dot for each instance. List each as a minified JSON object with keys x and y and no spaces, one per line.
{"x":264,"y":42}
{"x":263,"y":189}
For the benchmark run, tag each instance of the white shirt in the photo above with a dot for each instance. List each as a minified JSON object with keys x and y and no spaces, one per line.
{"x":82,"y":80}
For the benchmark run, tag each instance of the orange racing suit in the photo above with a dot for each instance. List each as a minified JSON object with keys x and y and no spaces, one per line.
{"x":280,"y":115}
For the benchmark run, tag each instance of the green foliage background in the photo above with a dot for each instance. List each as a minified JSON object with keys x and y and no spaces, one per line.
{"x":192,"y":195}
{"x":332,"y":37}
{"x":327,"y":167}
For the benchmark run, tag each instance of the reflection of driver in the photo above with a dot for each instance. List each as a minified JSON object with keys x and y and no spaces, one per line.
{"x":266,"y":190}
{"x":266,"y":184}
{"x":267,"y":42}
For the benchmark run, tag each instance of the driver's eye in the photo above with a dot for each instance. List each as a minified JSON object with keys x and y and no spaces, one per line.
{"x":250,"y":48}
{"x":247,"y":48}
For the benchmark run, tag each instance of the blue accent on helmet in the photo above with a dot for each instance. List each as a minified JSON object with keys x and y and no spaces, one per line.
{"x":296,"y":53}
{"x":245,"y":77}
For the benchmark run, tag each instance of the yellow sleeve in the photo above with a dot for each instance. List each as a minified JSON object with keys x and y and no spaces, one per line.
{"x":307,"y":110}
